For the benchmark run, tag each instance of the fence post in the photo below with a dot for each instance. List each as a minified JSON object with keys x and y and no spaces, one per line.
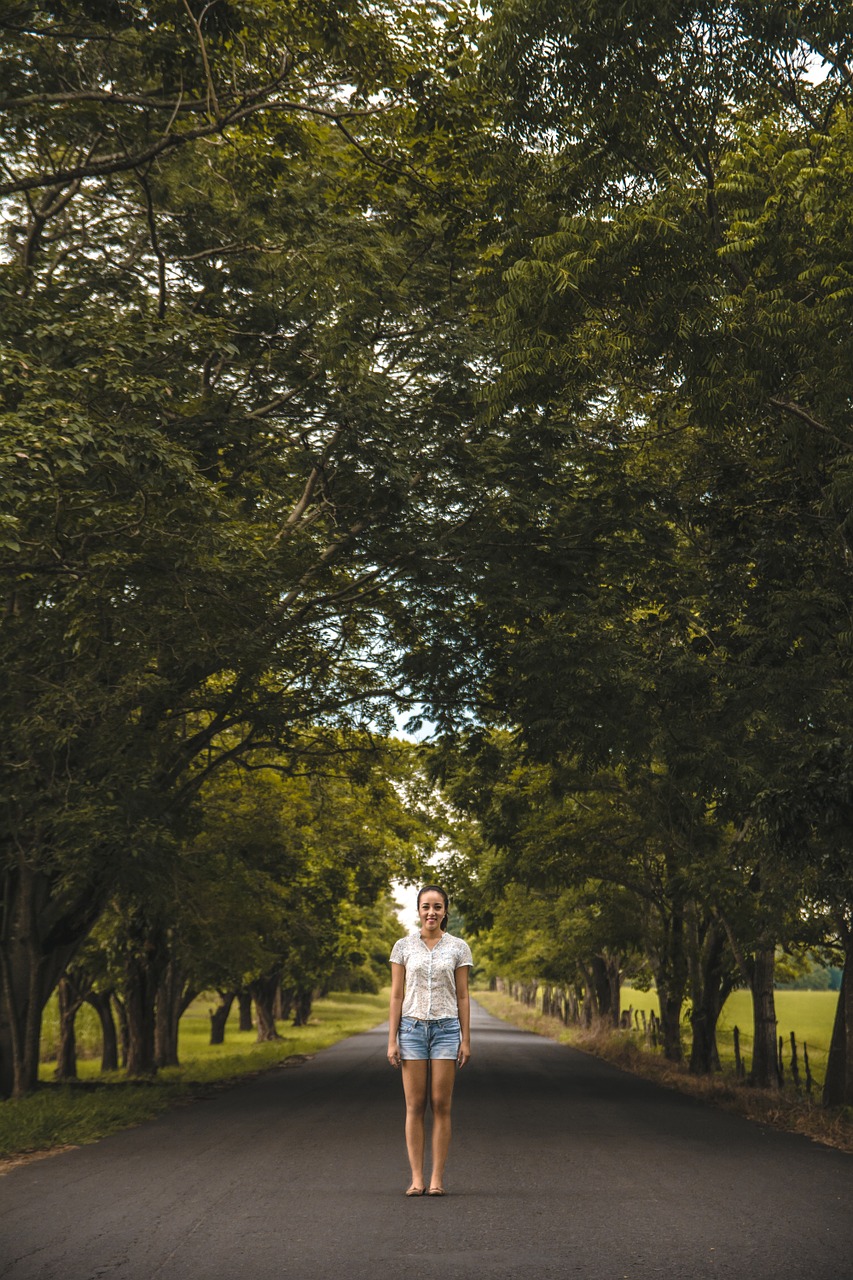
{"x":808,"y":1069}
{"x":781,"y":1063}
{"x":795,"y":1067}
{"x":739,"y":1071}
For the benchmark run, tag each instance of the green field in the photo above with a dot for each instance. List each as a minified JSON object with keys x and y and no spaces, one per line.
{"x":809,"y":1014}
{"x":58,"y":1115}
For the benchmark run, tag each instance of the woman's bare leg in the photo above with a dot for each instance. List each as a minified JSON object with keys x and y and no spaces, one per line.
{"x":442,"y":1079}
{"x":414,"y":1073}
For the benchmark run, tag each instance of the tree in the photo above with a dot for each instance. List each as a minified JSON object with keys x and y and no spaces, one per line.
{"x":280,"y":887}
{"x":231,"y":352}
{"x":668,"y":533}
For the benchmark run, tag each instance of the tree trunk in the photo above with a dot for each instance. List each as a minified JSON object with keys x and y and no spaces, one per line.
{"x":263,"y":993}
{"x":100,"y":1002}
{"x":601,"y":986}
{"x":608,"y":988}
{"x":219,"y":1016}
{"x":712,"y":981}
{"x":66,"y":1053}
{"x":671,"y":977}
{"x":35,"y":948}
{"x":173,"y":999}
{"x":704,"y":1053}
{"x":72,"y":992}
{"x":573,"y":1005}
{"x":551,"y":1002}
{"x":670,"y":1023}
{"x":589,"y":1005}
{"x":123,"y":1028}
{"x":765,"y":1054}
{"x":244,"y":1001}
{"x":140,"y":994}
{"x":838,"y":1086}
{"x":614,"y":974}
{"x":165,"y":1021}
{"x":304,"y":1001}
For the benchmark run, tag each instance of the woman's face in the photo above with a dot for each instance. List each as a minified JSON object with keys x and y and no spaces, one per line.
{"x":431,"y":910}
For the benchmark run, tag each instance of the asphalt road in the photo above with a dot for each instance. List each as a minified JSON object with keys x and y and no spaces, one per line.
{"x":561,"y":1165}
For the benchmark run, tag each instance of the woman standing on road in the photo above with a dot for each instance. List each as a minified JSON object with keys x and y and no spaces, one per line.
{"x":430,"y":1015}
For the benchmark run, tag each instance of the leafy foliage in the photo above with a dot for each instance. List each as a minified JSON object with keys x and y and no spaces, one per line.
{"x":231,"y":356}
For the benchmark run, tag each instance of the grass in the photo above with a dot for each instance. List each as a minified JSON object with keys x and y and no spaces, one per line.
{"x":58,"y":1116}
{"x":787,"y":1110}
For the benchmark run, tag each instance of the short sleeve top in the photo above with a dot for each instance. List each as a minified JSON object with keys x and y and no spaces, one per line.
{"x":431,"y":975}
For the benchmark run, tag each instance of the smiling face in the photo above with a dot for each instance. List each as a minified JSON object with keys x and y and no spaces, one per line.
{"x":431,"y":910}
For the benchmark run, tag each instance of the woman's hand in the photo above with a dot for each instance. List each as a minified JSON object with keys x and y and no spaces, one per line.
{"x":464,"y":1053}
{"x":393,"y":1053}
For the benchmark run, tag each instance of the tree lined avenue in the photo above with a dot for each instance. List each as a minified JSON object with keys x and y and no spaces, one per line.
{"x":361,"y":362}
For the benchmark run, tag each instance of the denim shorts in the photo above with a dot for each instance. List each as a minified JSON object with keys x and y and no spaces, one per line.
{"x":439,"y":1038}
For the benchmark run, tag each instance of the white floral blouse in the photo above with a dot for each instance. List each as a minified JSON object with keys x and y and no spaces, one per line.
{"x":431,"y":975}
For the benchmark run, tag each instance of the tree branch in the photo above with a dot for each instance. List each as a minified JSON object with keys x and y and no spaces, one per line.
{"x":212,"y":101}
{"x":834,"y":61}
{"x":121,"y":161}
{"x":155,"y":247}
{"x":295,"y":517}
{"x":264,"y":409}
{"x":105,"y":96}
{"x":797,"y":411}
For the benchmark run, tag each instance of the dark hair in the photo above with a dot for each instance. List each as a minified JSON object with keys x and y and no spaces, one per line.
{"x":436,"y":888}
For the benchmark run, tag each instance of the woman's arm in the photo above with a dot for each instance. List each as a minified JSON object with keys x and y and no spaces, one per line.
{"x":398,"y":986}
{"x":463,"y":1004}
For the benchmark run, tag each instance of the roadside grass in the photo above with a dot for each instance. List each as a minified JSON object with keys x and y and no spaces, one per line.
{"x":62,"y":1115}
{"x":788,"y":1110}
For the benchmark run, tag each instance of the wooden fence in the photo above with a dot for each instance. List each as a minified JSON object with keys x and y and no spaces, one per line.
{"x":801,"y":1066}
